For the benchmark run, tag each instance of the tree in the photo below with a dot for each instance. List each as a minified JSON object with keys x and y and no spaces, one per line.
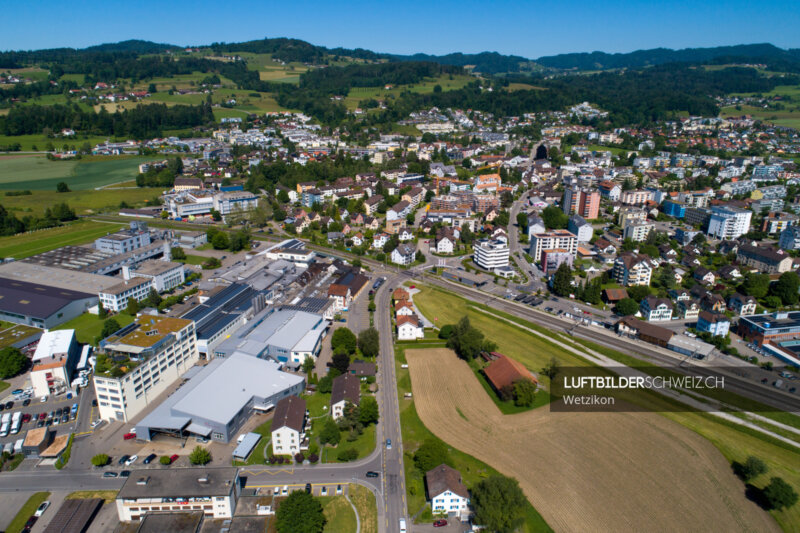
{"x":165,"y":460}
{"x":102,"y":312}
{"x":524,"y":393}
{"x":786,"y":288}
{"x":499,"y":503}
{"x":368,"y":410}
{"x":369,"y":342}
{"x":308,"y":365}
{"x":562,"y":279}
{"x":325,"y":384}
{"x":153,"y":298}
{"x":110,"y":326}
{"x":221,"y":241}
{"x":62,"y":187}
{"x":554,"y":218}
{"x":341,"y":362}
{"x":779,"y":494}
{"x":552,"y":369}
{"x":300,"y":513}
{"x":330,"y":433}
{"x":466,"y":340}
{"x":639,"y":292}
{"x":212,"y":263}
{"x":200,"y":456}
{"x":343,"y":341}
{"x":177,"y":253}
{"x":100,"y":459}
{"x":755,"y":285}
{"x":522,"y":220}
{"x":133,"y":307}
{"x":348,"y":454}
{"x":446,"y":331}
{"x":431,"y":454}
{"x":750,"y":469}
{"x":626,"y":307}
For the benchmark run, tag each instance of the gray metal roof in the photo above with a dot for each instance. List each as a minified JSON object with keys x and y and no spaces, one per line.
{"x":35,"y":300}
{"x":246,"y":446}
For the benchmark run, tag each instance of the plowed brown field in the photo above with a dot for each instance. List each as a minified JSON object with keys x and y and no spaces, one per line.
{"x":587,"y":471}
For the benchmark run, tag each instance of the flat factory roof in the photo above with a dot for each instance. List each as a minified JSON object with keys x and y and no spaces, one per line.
{"x":178,"y":482}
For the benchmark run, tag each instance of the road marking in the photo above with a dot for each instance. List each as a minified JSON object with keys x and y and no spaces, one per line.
{"x":270,"y":472}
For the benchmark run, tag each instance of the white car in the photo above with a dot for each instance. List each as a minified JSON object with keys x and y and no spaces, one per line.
{"x":131,"y":460}
{"x":41,"y":509}
{"x":44,"y":399}
{"x":96,"y":423}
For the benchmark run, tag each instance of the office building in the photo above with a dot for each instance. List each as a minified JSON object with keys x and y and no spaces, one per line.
{"x":491,"y":254}
{"x":125,"y":240}
{"x":556,"y":239}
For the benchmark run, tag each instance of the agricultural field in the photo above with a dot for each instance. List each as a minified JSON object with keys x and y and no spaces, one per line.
{"x":37,"y":142}
{"x":789,"y":116}
{"x":87,"y":202}
{"x":39,"y":173}
{"x":586,"y":471}
{"x":358,"y":94}
{"x":522,"y":87}
{"x":27,"y":244}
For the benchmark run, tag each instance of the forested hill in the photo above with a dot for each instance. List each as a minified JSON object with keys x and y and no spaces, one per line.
{"x":755,"y":53}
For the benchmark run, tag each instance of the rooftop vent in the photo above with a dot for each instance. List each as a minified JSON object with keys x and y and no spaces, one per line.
{"x":203,"y":480}
{"x":143,"y":480}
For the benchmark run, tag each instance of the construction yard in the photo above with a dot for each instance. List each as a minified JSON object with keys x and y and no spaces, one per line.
{"x":587,"y":471}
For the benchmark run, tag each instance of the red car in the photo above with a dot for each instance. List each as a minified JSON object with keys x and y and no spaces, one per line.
{"x":42,"y":416}
{"x":173,"y":458}
{"x":129,"y":436}
{"x":440,"y":523}
{"x":26,"y":418}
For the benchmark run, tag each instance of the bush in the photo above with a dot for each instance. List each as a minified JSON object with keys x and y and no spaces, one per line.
{"x":750,"y":469}
{"x":100,"y":459}
{"x":299,"y":458}
{"x":349,"y":454}
{"x":165,"y":460}
{"x":313,"y":458}
{"x":200,"y":456}
{"x":446,"y":331}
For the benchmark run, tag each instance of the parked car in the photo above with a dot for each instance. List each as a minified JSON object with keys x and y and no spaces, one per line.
{"x":149,"y":458}
{"x":31,"y":521}
{"x":173,"y":458}
{"x":129,"y":436}
{"x":43,"y":399}
{"x":26,"y":418}
{"x":41,"y":509}
{"x":123,"y":459}
{"x":96,"y":423}
{"x":308,"y":488}
{"x":42,"y":416}
{"x":64,"y":418}
{"x":125,"y":473}
{"x":132,"y":459}
{"x":110,"y":474}
{"x":40,"y":424}
{"x":9,"y":405}
{"x":440,"y":523}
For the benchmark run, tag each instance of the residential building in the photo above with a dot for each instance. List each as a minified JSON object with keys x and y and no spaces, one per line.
{"x":404,"y":254}
{"x":445,"y":241}
{"x":491,"y":254}
{"x":609,"y":190}
{"x":54,"y":362}
{"x":288,"y":426}
{"x":697,"y":216}
{"x":409,"y":328}
{"x":139,"y":362}
{"x":728,"y":223}
{"x":213,"y":491}
{"x":688,"y":309}
{"x":583,"y":202}
{"x":163,"y":275}
{"x":631,"y":269}
{"x":636,"y":197}
{"x":116,"y":297}
{"x":638,"y":231}
{"x":778,"y":222}
{"x":398,"y":211}
{"x":764,"y":259}
{"x":346,"y":388}
{"x":503,"y":372}
{"x":446,"y":491}
{"x":655,"y":309}
{"x":560,"y":238}
{"x":674,"y":208}
{"x":554,"y":258}
{"x":535,"y":225}
{"x":582,"y":229}
{"x":716,"y":324}
{"x":790,"y":238}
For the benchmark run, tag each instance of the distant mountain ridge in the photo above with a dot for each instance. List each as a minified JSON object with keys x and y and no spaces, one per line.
{"x":659,"y":56}
{"x":490,"y":63}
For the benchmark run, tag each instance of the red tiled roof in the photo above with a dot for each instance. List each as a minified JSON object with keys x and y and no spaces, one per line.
{"x":505,"y":371}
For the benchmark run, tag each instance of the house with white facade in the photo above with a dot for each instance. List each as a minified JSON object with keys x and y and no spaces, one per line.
{"x":288,"y":426}
{"x":346,"y":388}
{"x":655,"y":309}
{"x":446,"y":491}
{"x":404,"y":254}
{"x":409,"y":328}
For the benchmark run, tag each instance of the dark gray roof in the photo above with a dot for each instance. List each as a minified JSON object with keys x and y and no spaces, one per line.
{"x":32,"y":299}
{"x":290,"y":412}
{"x":444,"y":478}
{"x":179,"y":483}
{"x":346,"y":387}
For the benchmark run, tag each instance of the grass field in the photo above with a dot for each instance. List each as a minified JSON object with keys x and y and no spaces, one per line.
{"x":28,"y":142}
{"x":26,"y":511}
{"x":364,"y":445}
{"x":87,"y":202}
{"x":522,"y":87}
{"x":257,"y":455}
{"x":39,"y":173}
{"x":28,"y":244}
{"x":586,"y":471}
{"x":87,"y":326}
{"x":358,"y":94}
{"x":534,"y":352}
{"x":789,"y":116}
{"x":366,"y":506}
{"x":339,"y":515}
{"x":11,"y":333}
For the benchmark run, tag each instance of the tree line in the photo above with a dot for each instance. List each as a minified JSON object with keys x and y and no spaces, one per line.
{"x":53,"y":216}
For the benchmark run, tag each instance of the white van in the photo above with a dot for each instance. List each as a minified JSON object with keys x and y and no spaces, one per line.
{"x":4,"y":429}
{"x":402,"y":525}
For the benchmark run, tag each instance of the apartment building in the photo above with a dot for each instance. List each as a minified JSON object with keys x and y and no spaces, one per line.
{"x":727,"y":223}
{"x":631,"y":269}
{"x":764,"y":259}
{"x":550,"y":240}
{"x":580,"y":201}
{"x":638,"y":231}
{"x":139,"y":362}
{"x":490,"y":254}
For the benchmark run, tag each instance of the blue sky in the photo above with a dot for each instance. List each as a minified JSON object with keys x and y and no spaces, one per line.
{"x":527,"y":28}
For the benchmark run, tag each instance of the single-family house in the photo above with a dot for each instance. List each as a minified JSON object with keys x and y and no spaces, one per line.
{"x":404,"y":254}
{"x":714,"y":323}
{"x":409,"y":328}
{"x":345,"y":388}
{"x":655,"y":309}
{"x":742,"y":305}
{"x":446,"y":491}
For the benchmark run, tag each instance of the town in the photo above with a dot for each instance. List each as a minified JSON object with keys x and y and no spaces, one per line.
{"x":282,"y":316}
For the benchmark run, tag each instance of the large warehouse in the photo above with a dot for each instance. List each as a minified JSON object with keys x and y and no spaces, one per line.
{"x":41,"y":306}
{"x":218,"y":399}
